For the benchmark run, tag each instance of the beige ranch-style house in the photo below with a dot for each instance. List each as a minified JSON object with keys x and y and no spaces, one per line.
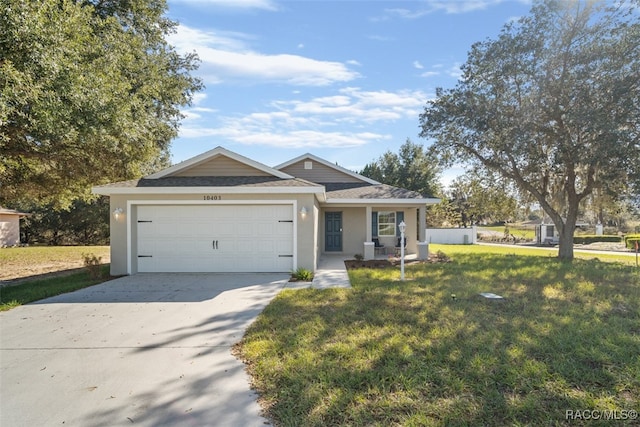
{"x":223,"y":212}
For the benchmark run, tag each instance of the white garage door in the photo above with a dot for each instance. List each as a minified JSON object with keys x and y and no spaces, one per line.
{"x":221,"y":238}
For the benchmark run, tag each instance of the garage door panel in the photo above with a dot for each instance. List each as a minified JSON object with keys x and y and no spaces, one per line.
{"x":225,"y":238}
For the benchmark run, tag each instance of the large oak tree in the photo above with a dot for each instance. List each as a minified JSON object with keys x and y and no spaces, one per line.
{"x":552,"y":104}
{"x":90,"y":92}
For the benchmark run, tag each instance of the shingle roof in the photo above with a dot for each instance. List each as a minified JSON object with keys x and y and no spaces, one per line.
{"x":368,"y":191}
{"x":7,"y":211}
{"x":212,"y":181}
{"x":334,"y":191}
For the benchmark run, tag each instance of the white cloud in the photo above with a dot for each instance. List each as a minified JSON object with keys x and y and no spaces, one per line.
{"x":187,"y":39}
{"x":408,"y":14}
{"x":447,"y":6}
{"x":353,"y":106}
{"x":455,"y":71}
{"x":226,"y":56}
{"x":293,"y":69}
{"x":309,"y":138}
{"x":429,"y":74}
{"x":347,"y":118}
{"x":288,"y":139}
{"x":462,"y":6}
{"x":418,"y":65}
{"x":199,"y":97}
{"x":193,"y":114}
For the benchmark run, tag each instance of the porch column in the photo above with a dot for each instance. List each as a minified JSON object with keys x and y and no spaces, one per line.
{"x":423,"y":245}
{"x":368,"y":250}
{"x":368,"y":223}
{"x":422,"y":226}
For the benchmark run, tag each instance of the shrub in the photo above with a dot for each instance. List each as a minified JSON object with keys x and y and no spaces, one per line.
{"x":592,"y":238}
{"x":358,"y":257}
{"x":441,"y":257}
{"x":93,"y":265}
{"x":302,"y":274}
{"x":630,"y":240}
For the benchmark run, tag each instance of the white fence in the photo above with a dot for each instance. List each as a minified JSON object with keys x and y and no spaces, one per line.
{"x":452,"y":236}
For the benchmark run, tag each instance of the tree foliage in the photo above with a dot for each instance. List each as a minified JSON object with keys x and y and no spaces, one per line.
{"x":552,"y":104}
{"x":412,"y":168}
{"x":90,"y":92}
{"x":83,"y":223}
{"x":481,"y":197}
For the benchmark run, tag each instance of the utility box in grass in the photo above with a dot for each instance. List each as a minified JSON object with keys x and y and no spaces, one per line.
{"x":423,"y":250}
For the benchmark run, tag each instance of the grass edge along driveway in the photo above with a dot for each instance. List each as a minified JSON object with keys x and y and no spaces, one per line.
{"x":567,"y":338}
{"x":35,"y":290}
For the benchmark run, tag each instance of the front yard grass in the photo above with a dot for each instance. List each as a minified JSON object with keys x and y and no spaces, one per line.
{"x":566,"y":338}
{"x":34,"y":290}
{"x":33,"y":260}
{"x":624,"y":258}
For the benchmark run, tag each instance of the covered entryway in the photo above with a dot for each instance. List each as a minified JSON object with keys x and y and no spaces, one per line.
{"x":215,"y":238}
{"x":333,"y":232}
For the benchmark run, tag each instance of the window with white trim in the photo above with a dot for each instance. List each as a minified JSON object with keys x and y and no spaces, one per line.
{"x":386,"y":223}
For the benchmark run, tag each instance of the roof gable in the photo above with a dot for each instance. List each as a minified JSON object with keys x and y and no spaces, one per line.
{"x":316,"y":169}
{"x":219,"y":162}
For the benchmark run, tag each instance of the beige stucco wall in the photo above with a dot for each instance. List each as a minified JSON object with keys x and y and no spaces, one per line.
{"x":354,"y":228}
{"x":306,"y":227}
{"x":9,"y":230}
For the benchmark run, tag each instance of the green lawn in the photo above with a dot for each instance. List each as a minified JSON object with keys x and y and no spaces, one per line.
{"x":34,"y":290}
{"x":623,"y":258}
{"x":567,"y":337}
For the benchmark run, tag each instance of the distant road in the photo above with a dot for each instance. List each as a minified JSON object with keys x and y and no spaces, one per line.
{"x":587,"y":251}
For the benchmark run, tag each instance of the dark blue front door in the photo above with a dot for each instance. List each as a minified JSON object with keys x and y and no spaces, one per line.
{"x":333,"y":231}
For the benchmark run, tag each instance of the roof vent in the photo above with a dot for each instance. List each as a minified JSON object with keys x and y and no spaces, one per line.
{"x":308,"y":165}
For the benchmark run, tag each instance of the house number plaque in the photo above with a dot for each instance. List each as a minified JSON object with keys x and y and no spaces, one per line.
{"x":212,"y":197}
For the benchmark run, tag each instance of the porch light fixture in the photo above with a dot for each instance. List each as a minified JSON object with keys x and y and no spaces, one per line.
{"x":303,"y":212}
{"x":116,"y":213}
{"x":402,"y":227}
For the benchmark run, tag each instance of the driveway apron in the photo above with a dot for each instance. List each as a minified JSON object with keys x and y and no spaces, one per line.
{"x":142,"y":350}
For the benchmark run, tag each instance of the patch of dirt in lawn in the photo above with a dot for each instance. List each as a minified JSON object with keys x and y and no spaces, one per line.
{"x":394,"y":262}
{"x":15,"y":271}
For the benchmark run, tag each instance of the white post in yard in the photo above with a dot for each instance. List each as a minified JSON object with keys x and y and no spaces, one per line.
{"x":402,"y":226}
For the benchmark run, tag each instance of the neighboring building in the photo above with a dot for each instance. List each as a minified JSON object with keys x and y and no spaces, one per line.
{"x":547,"y":233}
{"x":10,"y":227}
{"x":221,"y":211}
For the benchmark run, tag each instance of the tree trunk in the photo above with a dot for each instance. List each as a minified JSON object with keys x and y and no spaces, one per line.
{"x":565,"y":245}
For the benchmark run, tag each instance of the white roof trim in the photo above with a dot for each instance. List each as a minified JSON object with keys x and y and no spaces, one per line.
{"x":218,"y":151}
{"x":106,"y":191}
{"x":429,"y":201}
{"x":328,"y":164}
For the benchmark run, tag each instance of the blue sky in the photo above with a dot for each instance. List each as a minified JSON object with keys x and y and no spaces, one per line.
{"x":344,"y":80}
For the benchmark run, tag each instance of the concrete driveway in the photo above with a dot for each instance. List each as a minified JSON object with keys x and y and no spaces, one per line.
{"x":143,"y":350}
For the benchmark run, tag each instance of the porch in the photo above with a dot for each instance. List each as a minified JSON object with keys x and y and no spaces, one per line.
{"x":372,"y":230}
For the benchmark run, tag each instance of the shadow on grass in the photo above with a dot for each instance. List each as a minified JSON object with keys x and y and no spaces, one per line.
{"x":567,"y":337}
